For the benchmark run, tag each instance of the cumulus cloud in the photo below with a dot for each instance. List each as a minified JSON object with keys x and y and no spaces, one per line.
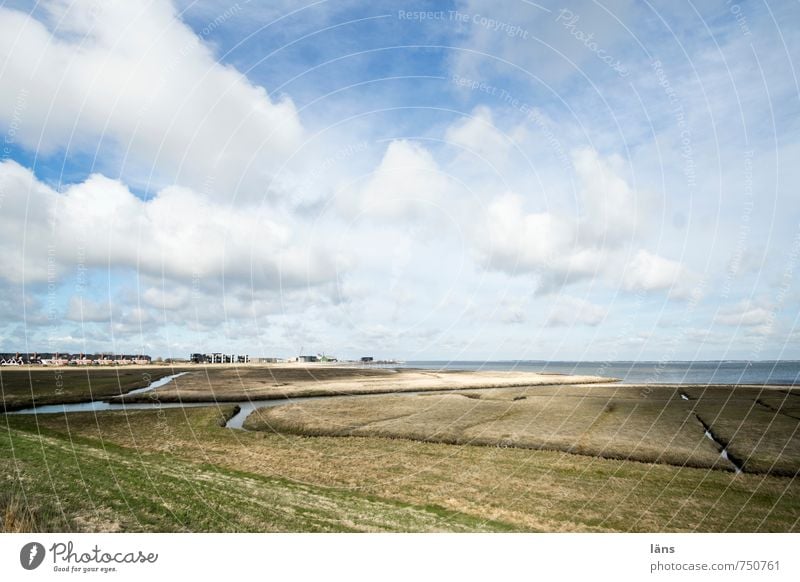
{"x":479,"y":135}
{"x":407,"y":184}
{"x":177,"y":235}
{"x":609,"y":206}
{"x":651,"y":272}
{"x":86,"y":310}
{"x":133,"y":75}
{"x":569,"y":311}
{"x":593,"y":242}
{"x":516,"y":242}
{"x":745,"y":314}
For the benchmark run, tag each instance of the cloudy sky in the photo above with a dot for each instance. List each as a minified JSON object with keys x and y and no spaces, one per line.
{"x":419,"y":180}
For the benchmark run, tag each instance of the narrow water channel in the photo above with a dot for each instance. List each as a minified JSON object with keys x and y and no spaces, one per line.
{"x":723,"y":449}
{"x":98,"y":405}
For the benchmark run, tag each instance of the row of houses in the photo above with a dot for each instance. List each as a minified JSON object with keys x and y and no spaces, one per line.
{"x":67,"y":359}
{"x":105,"y":359}
{"x":222,"y":358}
{"x":219,"y":358}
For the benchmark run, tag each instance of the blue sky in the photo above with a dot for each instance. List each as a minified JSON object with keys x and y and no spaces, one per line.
{"x":416,"y":180}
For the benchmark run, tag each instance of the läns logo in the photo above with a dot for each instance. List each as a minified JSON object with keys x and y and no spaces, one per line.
{"x":31,"y":555}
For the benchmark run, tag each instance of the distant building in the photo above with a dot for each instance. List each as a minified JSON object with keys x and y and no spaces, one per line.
{"x":219,"y":358}
{"x":66,"y":359}
{"x":367,"y":360}
{"x":307,"y":359}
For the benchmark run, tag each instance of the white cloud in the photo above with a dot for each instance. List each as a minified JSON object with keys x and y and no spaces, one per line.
{"x":86,"y":310}
{"x":609,"y":206}
{"x":135,"y":76}
{"x":650,"y":272}
{"x":178,"y":235}
{"x":479,"y":135}
{"x":167,"y":297}
{"x":513,"y":310}
{"x":514,"y":241}
{"x":562,"y":248}
{"x":745,"y":314}
{"x":565,"y":310}
{"x":532,"y":37}
{"x":407,"y":184}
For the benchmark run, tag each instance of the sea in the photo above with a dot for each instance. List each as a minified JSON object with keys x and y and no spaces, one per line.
{"x":781,"y":372}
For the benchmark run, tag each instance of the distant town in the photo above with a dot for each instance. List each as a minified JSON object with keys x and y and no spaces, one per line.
{"x":108,"y":359}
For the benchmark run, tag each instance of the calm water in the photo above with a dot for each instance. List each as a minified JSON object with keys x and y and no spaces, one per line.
{"x":719,"y":372}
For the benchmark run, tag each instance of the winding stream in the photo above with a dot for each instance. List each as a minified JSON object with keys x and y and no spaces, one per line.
{"x":157,"y":383}
{"x":235,"y":422}
{"x":99,"y":405}
{"x":246,"y":407}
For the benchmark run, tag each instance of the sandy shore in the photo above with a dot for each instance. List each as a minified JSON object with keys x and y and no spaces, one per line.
{"x":213,"y":384}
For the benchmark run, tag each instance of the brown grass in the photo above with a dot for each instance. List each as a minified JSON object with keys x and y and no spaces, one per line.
{"x":212,"y":384}
{"x":532,"y":489}
{"x":24,"y":386}
{"x":24,"y":513}
{"x":610,"y":422}
{"x":761,"y":440}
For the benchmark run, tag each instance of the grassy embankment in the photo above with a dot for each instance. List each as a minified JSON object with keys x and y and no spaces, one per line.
{"x":179,"y":470}
{"x":56,"y":479}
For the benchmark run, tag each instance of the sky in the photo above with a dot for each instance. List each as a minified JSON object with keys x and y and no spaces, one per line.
{"x":467,"y":180}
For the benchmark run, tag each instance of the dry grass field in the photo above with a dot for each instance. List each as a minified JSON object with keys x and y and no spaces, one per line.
{"x":642,"y":423}
{"x":23,"y":387}
{"x":60,"y":480}
{"x":234,"y":384}
{"x":549,"y":457}
{"x":178,"y":470}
